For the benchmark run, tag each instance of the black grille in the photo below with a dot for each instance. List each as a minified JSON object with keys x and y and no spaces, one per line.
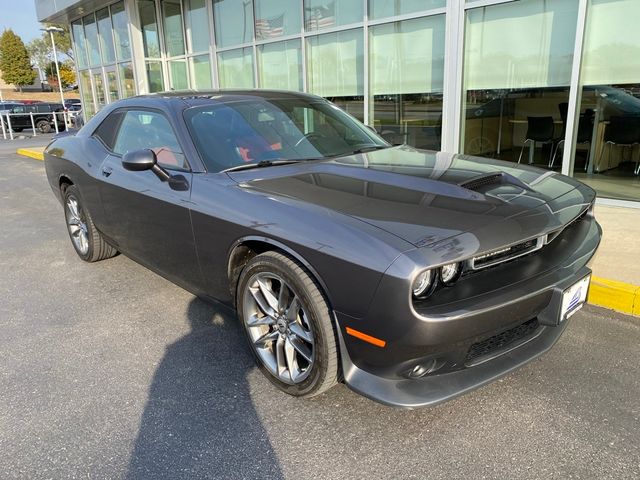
{"x":500,"y":341}
{"x":504,"y":254}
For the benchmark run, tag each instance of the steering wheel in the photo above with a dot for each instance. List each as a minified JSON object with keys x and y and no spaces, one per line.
{"x":308,"y":136}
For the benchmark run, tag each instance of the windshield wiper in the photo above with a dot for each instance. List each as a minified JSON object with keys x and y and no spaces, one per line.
{"x":260,"y":164}
{"x":368,"y":148}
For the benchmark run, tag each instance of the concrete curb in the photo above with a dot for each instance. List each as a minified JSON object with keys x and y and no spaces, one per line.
{"x":36,"y":153}
{"x":612,"y":294}
{"x":619,"y":296}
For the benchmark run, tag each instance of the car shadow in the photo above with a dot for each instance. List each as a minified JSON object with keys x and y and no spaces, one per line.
{"x":199,"y":420}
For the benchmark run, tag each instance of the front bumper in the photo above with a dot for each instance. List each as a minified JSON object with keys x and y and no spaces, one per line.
{"x":444,"y":335}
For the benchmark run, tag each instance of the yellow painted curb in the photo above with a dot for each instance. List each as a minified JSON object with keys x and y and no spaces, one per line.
{"x":37,"y":153}
{"x":618,"y":296}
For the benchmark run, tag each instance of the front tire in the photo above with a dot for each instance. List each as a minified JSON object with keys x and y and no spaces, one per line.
{"x":288,"y":324}
{"x":43,"y":126}
{"x":86,"y":239}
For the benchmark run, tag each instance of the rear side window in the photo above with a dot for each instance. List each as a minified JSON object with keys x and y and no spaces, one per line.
{"x":108,"y":129}
{"x":144,"y":129}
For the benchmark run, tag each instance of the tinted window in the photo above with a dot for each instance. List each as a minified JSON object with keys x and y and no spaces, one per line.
{"x":108,"y":129}
{"x":232,"y":134}
{"x":142,"y":129}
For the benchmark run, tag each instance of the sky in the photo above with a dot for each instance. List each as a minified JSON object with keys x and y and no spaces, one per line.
{"x":20,"y":16}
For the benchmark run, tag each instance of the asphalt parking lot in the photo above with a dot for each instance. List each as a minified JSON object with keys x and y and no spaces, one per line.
{"x":109,"y":371}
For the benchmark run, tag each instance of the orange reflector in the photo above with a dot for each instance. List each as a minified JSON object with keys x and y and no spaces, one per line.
{"x":367,"y":338}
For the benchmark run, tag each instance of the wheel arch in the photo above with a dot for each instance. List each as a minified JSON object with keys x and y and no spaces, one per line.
{"x":246,"y":248}
{"x":64,"y":182}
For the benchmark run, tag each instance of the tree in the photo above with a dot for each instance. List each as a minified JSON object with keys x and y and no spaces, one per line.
{"x":62,"y":39}
{"x":15,"y":63}
{"x":40,"y":52}
{"x":67,"y":74}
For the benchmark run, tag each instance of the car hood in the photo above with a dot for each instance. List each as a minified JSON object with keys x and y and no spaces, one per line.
{"x":426,"y":197}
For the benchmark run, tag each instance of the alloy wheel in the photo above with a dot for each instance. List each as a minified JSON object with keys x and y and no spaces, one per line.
{"x":278,"y":327}
{"x":77,"y":225}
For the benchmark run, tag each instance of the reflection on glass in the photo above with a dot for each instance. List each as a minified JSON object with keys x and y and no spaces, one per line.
{"x":517,"y":69}
{"x":319,"y":14}
{"x":406,"y":70}
{"x":233,"y":21}
{"x":147,"y":10}
{"x":121,"y":31}
{"x":274,"y":19}
{"x":106,"y":37}
{"x":173,"y":33}
{"x":154,"y":76}
{"x":235,"y":68}
{"x":607,"y":149}
{"x":88,"y":108}
{"x":279,"y":65}
{"x":198,"y":25}
{"x":100,"y":93}
{"x":201,"y":68}
{"x":79,"y":43}
{"x":91,"y":32}
{"x":112,"y":83}
{"x":178,"y":69}
{"x":389,"y":8}
{"x":127,"y":83}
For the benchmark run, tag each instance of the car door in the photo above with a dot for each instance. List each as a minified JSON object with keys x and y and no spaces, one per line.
{"x":150,"y":219}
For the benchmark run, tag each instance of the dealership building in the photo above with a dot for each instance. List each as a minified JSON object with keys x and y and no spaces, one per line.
{"x":550,"y":82}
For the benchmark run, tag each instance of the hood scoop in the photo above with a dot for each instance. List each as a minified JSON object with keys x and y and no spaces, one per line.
{"x":495,"y":178}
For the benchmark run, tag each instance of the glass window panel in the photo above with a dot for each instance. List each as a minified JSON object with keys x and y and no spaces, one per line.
{"x":319,"y":14}
{"x":274,"y":19}
{"x":106,"y":36}
{"x":233,"y":22}
{"x":606,"y":151}
{"x":520,"y":44}
{"x":149,"y":28}
{"x":121,"y":31}
{"x":406,"y":72}
{"x":201,"y":68}
{"x":79,"y":43}
{"x":112,"y":84}
{"x":91,"y":32}
{"x":154,"y":76}
{"x":335,"y":64}
{"x":517,"y":70}
{"x":279,"y":65}
{"x":178,"y":70}
{"x":127,"y":83}
{"x":389,"y":8}
{"x":235,"y":68}
{"x":101,"y":96}
{"x":88,"y":108}
{"x":198,"y":25}
{"x":173,"y":31}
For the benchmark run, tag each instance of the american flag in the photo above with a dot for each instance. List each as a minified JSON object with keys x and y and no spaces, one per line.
{"x":270,"y":27}
{"x":321,"y":17}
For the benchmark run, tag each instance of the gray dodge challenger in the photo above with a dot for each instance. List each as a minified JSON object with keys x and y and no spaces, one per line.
{"x":412,"y":276}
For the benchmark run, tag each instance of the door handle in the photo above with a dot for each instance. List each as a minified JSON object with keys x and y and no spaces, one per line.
{"x":106,"y":171}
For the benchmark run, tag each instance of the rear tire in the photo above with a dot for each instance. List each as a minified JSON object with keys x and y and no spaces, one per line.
{"x":43,"y":126}
{"x":85,"y":238}
{"x":287,"y":321}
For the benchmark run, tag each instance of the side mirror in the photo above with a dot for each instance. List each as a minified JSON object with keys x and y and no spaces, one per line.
{"x":139,"y":160}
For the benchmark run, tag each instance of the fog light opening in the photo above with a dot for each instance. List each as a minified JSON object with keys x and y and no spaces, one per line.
{"x":421,"y":369}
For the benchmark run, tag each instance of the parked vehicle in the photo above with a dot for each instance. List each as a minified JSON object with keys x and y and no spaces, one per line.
{"x":43,"y":117}
{"x":73,"y":104}
{"x":411,"y":275}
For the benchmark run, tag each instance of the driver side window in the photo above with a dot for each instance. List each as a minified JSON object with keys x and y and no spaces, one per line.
{"x":142,"y":129}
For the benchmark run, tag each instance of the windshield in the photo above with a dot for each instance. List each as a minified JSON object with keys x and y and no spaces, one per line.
{"x":242,"y":132}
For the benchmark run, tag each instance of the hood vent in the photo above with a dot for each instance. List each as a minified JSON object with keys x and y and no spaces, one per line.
{"x":479,"y":182}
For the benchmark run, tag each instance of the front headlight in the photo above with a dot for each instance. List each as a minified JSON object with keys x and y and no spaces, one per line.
{"x":450,"y":273}
{"x":422,"y":283}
